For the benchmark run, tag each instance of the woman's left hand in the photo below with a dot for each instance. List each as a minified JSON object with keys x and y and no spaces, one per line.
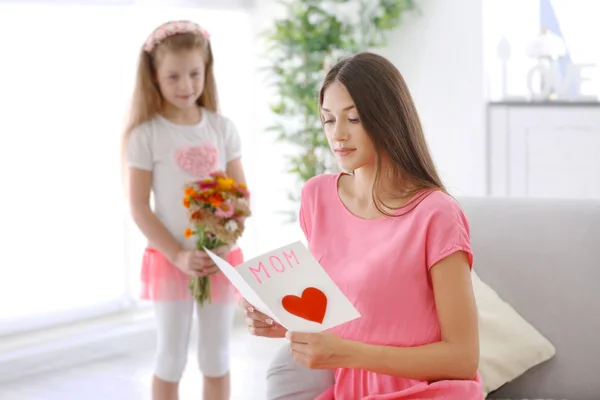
{"x":318,"y":350}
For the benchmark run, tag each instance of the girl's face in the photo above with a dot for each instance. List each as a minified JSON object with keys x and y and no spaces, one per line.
{"x":348,"y":139}
{"x":180,"y":77}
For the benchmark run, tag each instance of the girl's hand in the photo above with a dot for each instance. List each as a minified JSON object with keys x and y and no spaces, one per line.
{"x":208,"y":267}
{"x":190,"y":262}
{"x":318,"y":350}
{"x":260,"y":324}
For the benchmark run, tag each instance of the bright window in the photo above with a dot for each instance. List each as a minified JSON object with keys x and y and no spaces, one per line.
{"x":66,"y":75}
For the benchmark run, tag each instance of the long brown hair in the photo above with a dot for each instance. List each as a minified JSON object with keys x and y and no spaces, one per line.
{"x":389,"y":116}
{"x":147,"y":100}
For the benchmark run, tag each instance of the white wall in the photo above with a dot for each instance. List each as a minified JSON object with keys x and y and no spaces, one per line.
{"x":268,"y":180}
{"x":518,"y":22}
{"x":578,"y":21}
{"x":439,"y":51}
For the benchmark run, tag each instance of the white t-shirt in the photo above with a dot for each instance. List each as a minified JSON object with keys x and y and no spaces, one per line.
{"x":175,"y":155}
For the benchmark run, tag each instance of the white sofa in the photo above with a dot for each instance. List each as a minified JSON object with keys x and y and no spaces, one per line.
{"x":542,"y":257}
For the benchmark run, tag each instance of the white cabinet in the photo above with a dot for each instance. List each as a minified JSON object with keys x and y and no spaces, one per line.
{"x":544,"y":149}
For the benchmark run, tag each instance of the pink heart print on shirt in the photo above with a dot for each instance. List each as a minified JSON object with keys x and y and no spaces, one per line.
{"x":198,"y":161}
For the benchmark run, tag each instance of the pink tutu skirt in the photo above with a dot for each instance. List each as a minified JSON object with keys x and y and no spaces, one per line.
{"x":163,"y":281}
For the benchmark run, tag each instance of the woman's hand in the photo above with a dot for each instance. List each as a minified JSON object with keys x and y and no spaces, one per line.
{"x":260,"y":324}
{"x":319,"y":350}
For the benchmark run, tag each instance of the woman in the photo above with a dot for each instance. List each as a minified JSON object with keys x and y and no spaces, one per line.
{"x":395,"y":243}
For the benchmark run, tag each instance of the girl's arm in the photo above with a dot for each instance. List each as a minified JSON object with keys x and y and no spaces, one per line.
{"x":235,"y":170}
{"x":140,"y":183}
{"x":456,"y":356}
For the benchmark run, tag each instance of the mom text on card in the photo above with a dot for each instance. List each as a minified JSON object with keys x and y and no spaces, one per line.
{"x":274,"y":264}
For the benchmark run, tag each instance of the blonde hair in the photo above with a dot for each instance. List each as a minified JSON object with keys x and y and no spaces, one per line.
{"x":147,"y":100}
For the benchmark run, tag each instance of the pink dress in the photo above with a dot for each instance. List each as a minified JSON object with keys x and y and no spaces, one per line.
{"x":382,"y":266}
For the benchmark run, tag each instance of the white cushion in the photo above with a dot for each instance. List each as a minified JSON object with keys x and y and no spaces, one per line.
{"x":509,"y":345}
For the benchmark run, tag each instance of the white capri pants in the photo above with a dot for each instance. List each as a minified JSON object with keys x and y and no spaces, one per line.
{"x":173,"y":326}
{"x":288,"y":380}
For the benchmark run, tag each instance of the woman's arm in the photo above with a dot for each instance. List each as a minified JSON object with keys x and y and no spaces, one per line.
{"x":456,"y":356}
{"x":140,"y":183}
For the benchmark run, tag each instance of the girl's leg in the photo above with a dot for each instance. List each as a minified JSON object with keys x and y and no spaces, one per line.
{"x":214,"y":331}
{"x":173,"y":322}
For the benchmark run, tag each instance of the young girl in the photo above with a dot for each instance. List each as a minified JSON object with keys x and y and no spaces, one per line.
{"x":176,"y":135}
{"x":395,"y":243}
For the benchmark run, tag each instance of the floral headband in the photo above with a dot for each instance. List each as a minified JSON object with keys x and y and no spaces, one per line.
{"x":173,"y":28}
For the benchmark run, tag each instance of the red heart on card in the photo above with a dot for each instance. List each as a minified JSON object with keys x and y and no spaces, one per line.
{"x":311,"y":306}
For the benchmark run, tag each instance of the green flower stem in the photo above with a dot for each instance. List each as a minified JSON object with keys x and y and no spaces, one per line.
{"x":200,"y":285}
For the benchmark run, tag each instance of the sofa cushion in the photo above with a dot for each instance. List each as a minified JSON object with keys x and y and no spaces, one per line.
{"x":509,"y":345}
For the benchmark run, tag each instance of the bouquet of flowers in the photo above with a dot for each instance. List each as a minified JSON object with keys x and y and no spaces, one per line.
{"x":217,"y":207}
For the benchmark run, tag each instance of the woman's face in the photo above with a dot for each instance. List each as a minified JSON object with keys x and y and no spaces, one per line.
{"x":348,"y":139}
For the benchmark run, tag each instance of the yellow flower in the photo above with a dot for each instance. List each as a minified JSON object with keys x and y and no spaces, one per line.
{"x":225,"y":184}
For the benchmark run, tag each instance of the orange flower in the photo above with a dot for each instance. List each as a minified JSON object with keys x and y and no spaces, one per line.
{"x":215,"y":200}
{"x":189,"y":192}
{"x":204,"y":194}
{"x":186,"y":202}
{"x":188,"y":233}
{"x":197,"y":215}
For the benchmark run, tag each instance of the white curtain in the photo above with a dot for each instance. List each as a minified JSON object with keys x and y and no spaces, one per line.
{"x":69,"y":250}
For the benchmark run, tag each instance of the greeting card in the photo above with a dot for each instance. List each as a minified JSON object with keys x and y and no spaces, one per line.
{"x":291,"y":287}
